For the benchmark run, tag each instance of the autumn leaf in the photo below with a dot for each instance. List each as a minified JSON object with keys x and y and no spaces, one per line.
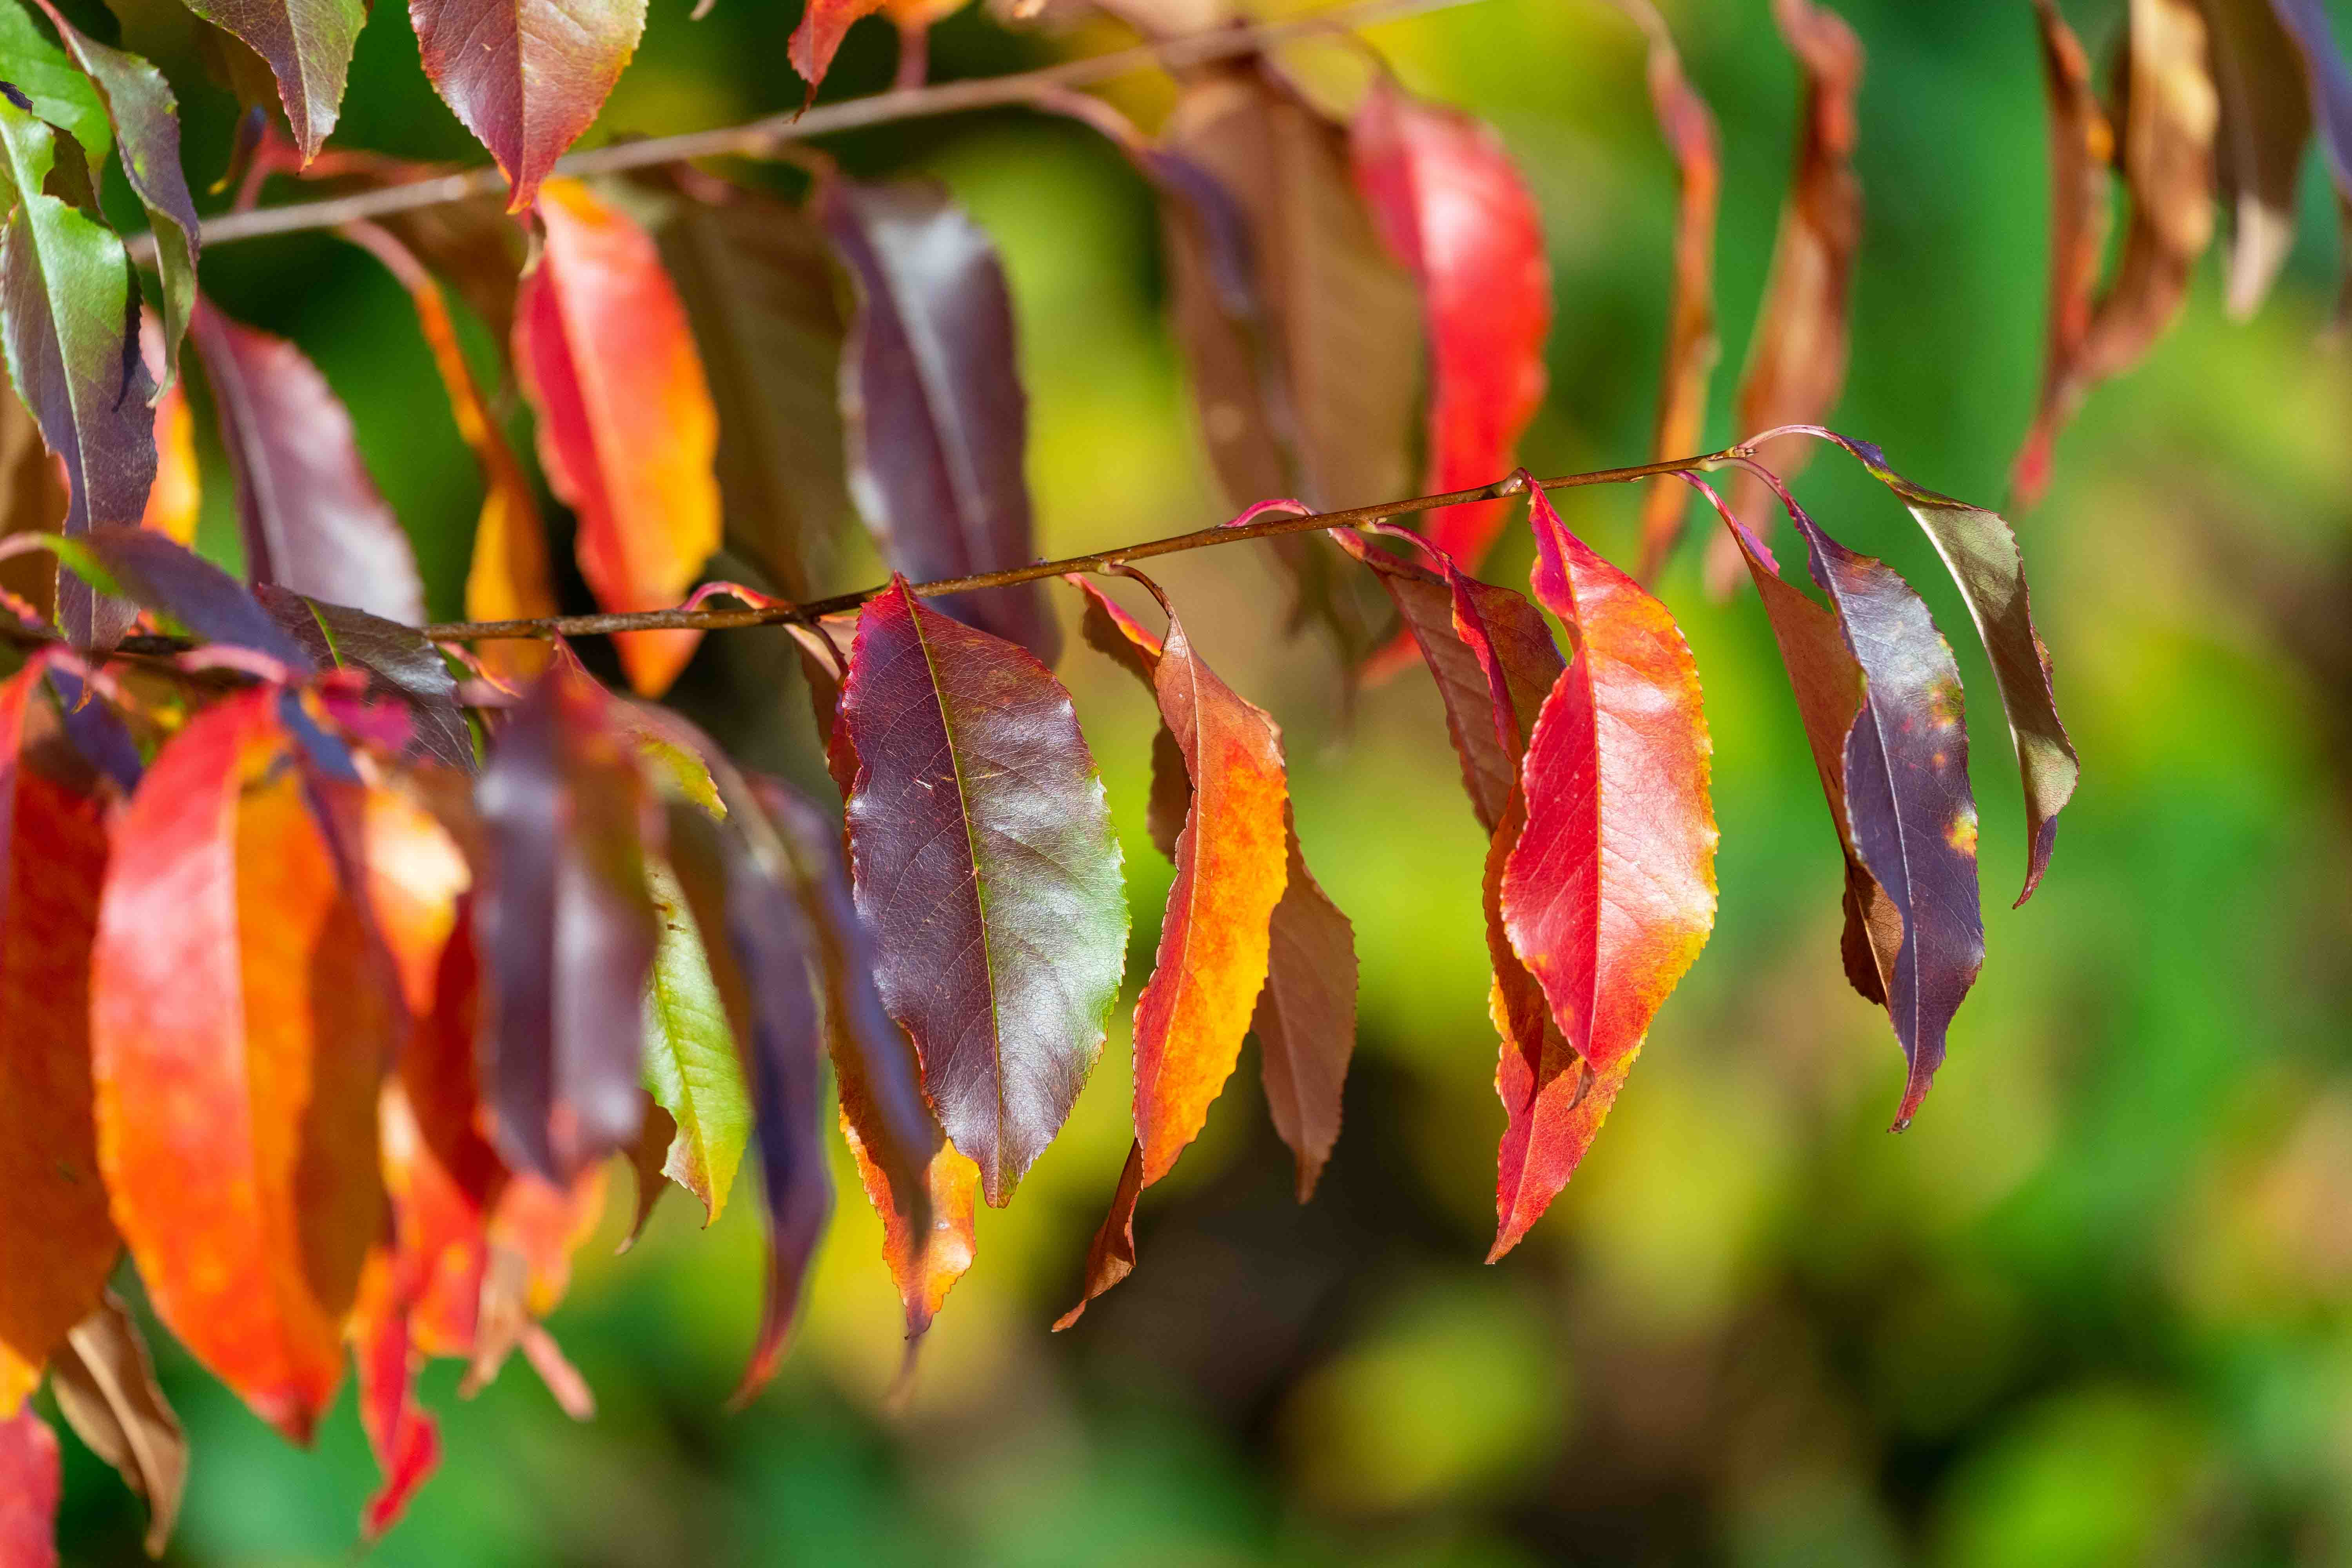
{"x":1109,"y":630}
{"x":1797,"y":356}
{"x":56,"y":1244}
{"x":564,"y":926}
{"x":526,"y":77}
{"x":1231,"y":863}
{"x":931,"y":398}
{"x":690,"y":1053}
{"x":402,"y":1435}
{"x":2263,"y":129}
{"x":758,"y":279}
{"x":626,"y":429}
{"x":71,"y":329}
{"x":177,"y":494}
{"x":985,"y":867}
{"x":397,"y":660}
{"x":31,"y":1479}
{"x":104,"y":1381}
{"x":1609,"y":893}
{"x":823,"y":25}
{"x":314,"y":519}
{"x":1450,"y":202}
{"x":508,"y":578}
{"x":240,"y":1026}
{"x":308,"y":45}
{"x":174,"y":582}
{"x":145,"y":119}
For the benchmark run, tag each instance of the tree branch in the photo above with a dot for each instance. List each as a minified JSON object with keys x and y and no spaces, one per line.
{"x":761,"y":136}
{"x":780,"y":613}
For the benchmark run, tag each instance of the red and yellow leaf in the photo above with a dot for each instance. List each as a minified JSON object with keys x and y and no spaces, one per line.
{"x":627,"y":432}
{"x":241,"y":1026}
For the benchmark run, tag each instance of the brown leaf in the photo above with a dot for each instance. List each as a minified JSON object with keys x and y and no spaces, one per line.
{"x":105,"y":1383}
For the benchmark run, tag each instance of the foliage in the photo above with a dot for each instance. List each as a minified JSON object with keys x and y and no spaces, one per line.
{"x":344,"y":1037}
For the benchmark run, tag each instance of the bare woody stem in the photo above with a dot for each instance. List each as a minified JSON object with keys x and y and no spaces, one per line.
{"x":760,"y":137}
{"x":1102,"y":560}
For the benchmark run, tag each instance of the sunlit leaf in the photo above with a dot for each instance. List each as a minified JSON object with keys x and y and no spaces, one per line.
{"x":690,"y":1053}
{"x":931,"y":396}
{"x":627,"y":429}
{"x":308,"y":45}
{"x":314,"y":519}
{"x":56,"y":1244}
{"x":526,"y":77}
{"x":104,"y":1381}
{"x":823,"y":25}
{"x":177,"y":494}
{"x":51,"y":86}
{"x":986,"y":868}
{"x":1609,"y":893}
{"x":404,"y":1439}
{"x":240,"y":1023}
{"x":72,"y":330}
{"x":565,"y":927}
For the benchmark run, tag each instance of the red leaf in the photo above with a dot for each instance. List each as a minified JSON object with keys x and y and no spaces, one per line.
{"x":1231,"y":863}
{"x":400,"y":1431}
{"x":985,"y":867}
{"x":30,"y":1481}
{"x":1797,"y":356}
{"x":564,"y":926}
{"x":1450,"y":203}
{"x":1610,"y":891}
{"x":627,"y":432}
{"x":526,"y":77}
{"x":823,"y":25}
{"x":240,"y":1024}
{"x":56,"y":1241}
{"x":314,"y":519}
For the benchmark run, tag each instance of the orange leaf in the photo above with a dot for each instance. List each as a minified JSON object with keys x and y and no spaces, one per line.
{"x":174,"y":499}
{"x":925,"y":1269}
{"x":627,"y":432}
{"x":57,"y":1245}
{"x":240,"y":1024}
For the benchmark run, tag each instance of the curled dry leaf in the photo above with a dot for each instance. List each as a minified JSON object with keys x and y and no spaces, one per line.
{"x":57,"y":1243}
{"x":1797,"y":357}
{"x":564,"y":926}
{"x":1231,"y":863}
{"x":626,"y":429}
{"x":312,"y":519}
{"x":1450,"y":203}
{"x":72,"y":326}
{"x":931,"y":397}
{"x":986,"y":869}
{"x":105,"y":1385}
{"x":1609,"y":893}
{"x":240,"y":1024}
{"x":526,"y":77}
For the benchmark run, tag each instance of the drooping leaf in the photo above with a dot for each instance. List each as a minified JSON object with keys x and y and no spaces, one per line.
{"x":2081,"y":154}
{"x":71,"y":332}
{"x":308,"y":45}
{"x":508,"y":578}
{"x":758,"y":279}
{"x":565,"y":927}
{"x":146,"y":121}
{"x":1450,"y":203}
{"x":105,"y":1385}
{"x":2259,"y":143}
{"x":691,"y":1065}
{"x":627,"y":429}
{"x":31,"y":1479}
{"x":1980,"y":551}
{"x":1797,"y":356}
{"x":240,"y":1024}
{"x":1231,"y":863}
{"x":56,"y":1244}
{"x":1609,"y":893}
{"x":986,"y":869}
{"x":312,"y":519}
{"x":2170,"y":113}
{"x":1111,"y":631}
{"x":526,"y":77}
{"x":397,"y":660}
{"x":1110,"y":1256}
{"x":1688,"y":127}
{"x":823,"y":25}
{"x":931,"y":397}
{"x":402,"y":1435}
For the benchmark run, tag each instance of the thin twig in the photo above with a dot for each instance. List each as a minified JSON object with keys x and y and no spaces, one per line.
{"x":761,"y":136}
{"x":783,"y":614}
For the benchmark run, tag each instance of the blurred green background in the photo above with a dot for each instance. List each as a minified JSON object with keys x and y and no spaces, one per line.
{"x":2096,"y":1308}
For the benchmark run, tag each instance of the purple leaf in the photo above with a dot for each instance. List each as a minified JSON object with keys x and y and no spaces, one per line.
{"x":397,"y":660}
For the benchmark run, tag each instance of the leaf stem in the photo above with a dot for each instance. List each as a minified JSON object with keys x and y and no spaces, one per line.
{"x":777,"y":614}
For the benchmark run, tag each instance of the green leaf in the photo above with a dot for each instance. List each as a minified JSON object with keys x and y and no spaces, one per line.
{"x":691,"y":1066}
{"x":58,"y":93}
{"x":308,"y":44}
{"x":145,"y":117}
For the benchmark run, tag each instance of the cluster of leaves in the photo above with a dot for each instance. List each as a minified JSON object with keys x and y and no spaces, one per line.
{"x":337,"y":962}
